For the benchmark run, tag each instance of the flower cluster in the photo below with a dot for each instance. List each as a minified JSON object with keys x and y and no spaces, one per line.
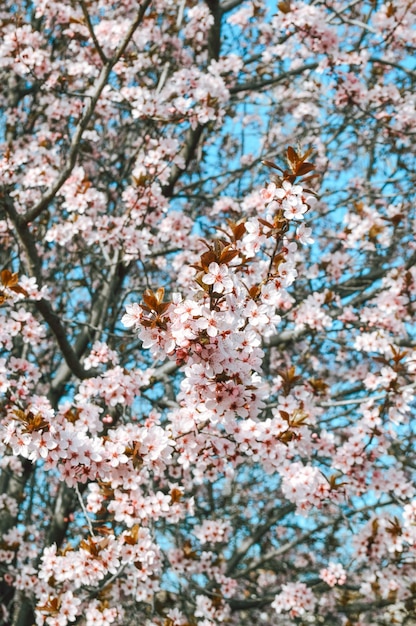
{"x":246,"y":451}
{"x":296,"y":599}
{"x":290,"y":199}
{"x":334,"y":574}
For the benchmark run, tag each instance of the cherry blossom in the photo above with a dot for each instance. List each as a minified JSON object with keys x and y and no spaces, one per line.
{"x":207,"y":303}
{"x":217,"y":276}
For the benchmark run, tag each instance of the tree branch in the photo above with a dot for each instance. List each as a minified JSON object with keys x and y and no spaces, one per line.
{"x":240,"y":553}
{"x":356,"y":283}
{"x":84,"y":121}
{"x":92,"y":33}
{"x":188,"y":150}
{"x":43,"y":306}
{"x":230,"y":5}
{"x":99,"y":311}
{"x":256,"y":86}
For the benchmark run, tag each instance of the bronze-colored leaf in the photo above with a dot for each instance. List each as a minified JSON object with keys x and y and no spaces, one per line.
{"x":265,"y":223}
{"x":8,"y":279}
{"x":238,"y":230}
{"x":271,"y":164}
{"x":227,"y":256}
{"x":292,"y":157}
{"x":284,"y":6}
{"x":132,"y":537}
{"x":207,"y":258}
{"x":304,"y":168}
{"x":150,"y":300}
{"x":176,"y":495}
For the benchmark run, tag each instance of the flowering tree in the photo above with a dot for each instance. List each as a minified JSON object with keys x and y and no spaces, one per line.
{"x":208,"y":281}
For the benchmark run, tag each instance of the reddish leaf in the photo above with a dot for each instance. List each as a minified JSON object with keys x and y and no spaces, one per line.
{"x":292,"y":157}
{"x":228,"y":255}
{"x":8,"y":279}
{"x":304,"y":168}
{"x":271,"y":164}
{"x":284,"y":6}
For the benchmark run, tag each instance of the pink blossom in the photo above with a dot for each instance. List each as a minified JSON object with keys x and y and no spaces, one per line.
{"x":296,"y":599}
{"x":334,"y":574}
{"x":217,"y":276}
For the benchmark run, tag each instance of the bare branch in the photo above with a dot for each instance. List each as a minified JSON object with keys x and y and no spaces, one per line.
{"x":257,"y":535}
{"x":256,"y":86}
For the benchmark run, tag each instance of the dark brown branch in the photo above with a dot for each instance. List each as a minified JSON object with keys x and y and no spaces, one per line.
{"x":92,"y":33}
{"x":258,"y":85}
{"x":44,"y":307}
{"x":230,"y":5}
{"x":65,"y":503}
{"x":12,"y":484}
{"x":238,"y":604}
{"x":85,"y":119}
{"x":193,"y":136}
{"x":358,"y":284}
{"x":100,"y":307}
{"x":255,"y":537}
{"x":214,"y":35}
{"x":191,"y":142}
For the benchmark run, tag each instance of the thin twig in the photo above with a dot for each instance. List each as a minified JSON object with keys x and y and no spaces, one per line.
{"x":92,"y":33}
{"x":85,"y":119}
{"x":84,"y":510}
